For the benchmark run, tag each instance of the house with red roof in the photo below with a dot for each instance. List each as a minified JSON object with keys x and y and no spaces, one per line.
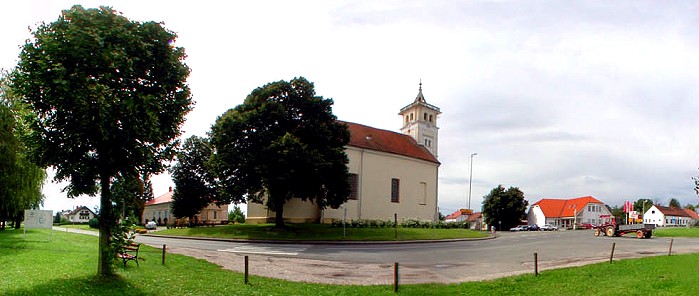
{"x":564,"y":213}
{"x":81,"y":214}
{"x":390,"y":173}
{"x":670,"y":216}
{"x":159,"y":210}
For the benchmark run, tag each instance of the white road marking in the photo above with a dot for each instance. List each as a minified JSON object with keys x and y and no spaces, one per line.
{"x":261,"y":250}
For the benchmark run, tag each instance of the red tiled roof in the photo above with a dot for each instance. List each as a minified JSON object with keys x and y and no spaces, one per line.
{"x":474,"y":217}
{"x":559,"y":208}
{"x":167,"y":197}
{"x":367,"y":137}
{"x":672,"y":211}
{"x":454,"y":215}
{"x":692,"y":214}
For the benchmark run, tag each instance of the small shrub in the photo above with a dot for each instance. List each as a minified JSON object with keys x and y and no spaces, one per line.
{"x":94,"y":223}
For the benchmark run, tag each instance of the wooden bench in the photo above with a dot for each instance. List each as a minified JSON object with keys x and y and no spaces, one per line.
{"x":129,"y":252}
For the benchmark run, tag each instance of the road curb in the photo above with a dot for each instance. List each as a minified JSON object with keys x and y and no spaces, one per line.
{"x":311,"y":242}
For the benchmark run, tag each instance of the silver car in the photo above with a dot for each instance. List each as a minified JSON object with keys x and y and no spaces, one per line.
{"x":548,"y":227}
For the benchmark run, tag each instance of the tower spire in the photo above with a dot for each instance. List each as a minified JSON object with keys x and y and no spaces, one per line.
{"x":420,"y":98}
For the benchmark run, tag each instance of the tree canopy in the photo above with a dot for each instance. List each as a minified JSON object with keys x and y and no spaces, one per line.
{"x":674,"y":203}
{"x":109,"y":94}
{"x":642,"y":204}
{"x":195,"y":186}
{"x":20,"y":179}
{"x":283,"y":142}
{"x":504,"y":208}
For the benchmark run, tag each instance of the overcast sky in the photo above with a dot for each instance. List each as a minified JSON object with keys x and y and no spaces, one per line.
{"x":559,"y":98}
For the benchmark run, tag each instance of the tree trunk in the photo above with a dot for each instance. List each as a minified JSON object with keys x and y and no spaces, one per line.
{"x":279,"y":216}
{"x":104,"y":266}
{"x":17,"y":222}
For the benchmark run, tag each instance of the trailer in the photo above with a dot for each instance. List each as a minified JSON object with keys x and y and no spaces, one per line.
{"x":611,"y":229}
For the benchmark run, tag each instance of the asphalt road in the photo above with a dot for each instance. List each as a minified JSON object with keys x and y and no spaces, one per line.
{"x":507,"y":254}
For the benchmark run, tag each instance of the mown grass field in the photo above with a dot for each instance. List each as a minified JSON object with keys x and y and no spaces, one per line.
{"x":66,"y":264}
{"x":677,"y":231}
{"x":321,"y":232}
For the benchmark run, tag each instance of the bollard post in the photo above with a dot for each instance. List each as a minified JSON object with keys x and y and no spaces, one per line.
{"x":164,"y":247}
{"x":611,"y":256}
{"x":395,"y":277}
{"x":246,"y":269}
{"x":669,"y":252}
{"x":536,"y":264}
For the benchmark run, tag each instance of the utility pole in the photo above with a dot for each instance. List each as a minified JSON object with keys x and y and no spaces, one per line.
{"x":470,"y":178}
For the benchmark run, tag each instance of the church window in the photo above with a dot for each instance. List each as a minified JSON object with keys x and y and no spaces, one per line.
{"x":354,"y":182}
{"x":422,"y":190}
{"x":424,"y":116}
{"x":395,"y":190}
{"x":411,"y":116}
{"x":430,"y":117}
{"x":406,"y":119}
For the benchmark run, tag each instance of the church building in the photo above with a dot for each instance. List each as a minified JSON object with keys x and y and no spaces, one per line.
{"x":390,"y":173}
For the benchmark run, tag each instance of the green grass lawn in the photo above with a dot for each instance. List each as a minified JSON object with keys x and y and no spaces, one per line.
{"x":321,"y":232}
{"x":676,"y":231}
{"x":66,"y":264}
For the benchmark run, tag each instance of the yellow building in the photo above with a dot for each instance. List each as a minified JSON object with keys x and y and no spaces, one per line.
{"x":390,"y":173}
{"x":159,"y":210}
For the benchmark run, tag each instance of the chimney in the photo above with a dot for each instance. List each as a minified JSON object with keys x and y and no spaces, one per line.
{"x":169,"y":189}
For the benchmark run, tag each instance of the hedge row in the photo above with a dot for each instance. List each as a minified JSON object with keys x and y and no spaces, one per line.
{"x":406,"y":223}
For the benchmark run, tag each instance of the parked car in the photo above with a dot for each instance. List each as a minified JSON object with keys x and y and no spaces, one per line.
{"x":533,"y":227}
{"x":548,"y":227}
{"x":586,"y":226}
{"x":519,"y":228}
{"x":151,"y":225}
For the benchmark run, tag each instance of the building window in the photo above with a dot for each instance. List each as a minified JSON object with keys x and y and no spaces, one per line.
{"x":424,"y":116}
{"x":215,"y":215}
{"x":422,"y":190}
{"x":411,"y":116}
{"x":430,"y":117}
{"x":395,"y":190}
{"x":354,"y":184}
{"x":406,"y":119}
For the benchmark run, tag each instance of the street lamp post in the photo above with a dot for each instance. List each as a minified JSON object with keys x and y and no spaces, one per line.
{"x":470,"y":178}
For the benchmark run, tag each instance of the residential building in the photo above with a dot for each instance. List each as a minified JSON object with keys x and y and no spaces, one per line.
{"x":81,"y":214}
{"x":669,"y":216}
{"x":457,"y":216}
{"x":564,"y":213}
{"x":159,"y":210}
{"x":390,"y":173}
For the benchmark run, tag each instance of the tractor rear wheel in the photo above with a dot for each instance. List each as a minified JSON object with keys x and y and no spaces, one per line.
{"x":648,"y":234}
{"x":597,"y":232}
{"x":639,"y":234}
{"x":610,"y":231}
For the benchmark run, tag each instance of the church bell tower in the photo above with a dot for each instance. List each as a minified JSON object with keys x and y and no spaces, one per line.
{"x":420,"y":122}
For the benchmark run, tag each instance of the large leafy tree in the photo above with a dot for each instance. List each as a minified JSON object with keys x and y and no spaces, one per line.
{"x":504,"y":208}
{"x":283,"y":142}
{"x":130,"y":192}
{"x":642,"y":204}
{"x":110,"y":96}
{"x":674,"y":203}
{"x":20,"y":179}
{"x":195,"y":186}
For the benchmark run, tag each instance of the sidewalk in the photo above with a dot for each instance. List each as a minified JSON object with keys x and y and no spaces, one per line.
{"x":75,"y":230}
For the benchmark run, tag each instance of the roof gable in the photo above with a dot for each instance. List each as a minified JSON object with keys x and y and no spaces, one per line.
{"x":367,"y":137}
{"x":558,"y":208}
